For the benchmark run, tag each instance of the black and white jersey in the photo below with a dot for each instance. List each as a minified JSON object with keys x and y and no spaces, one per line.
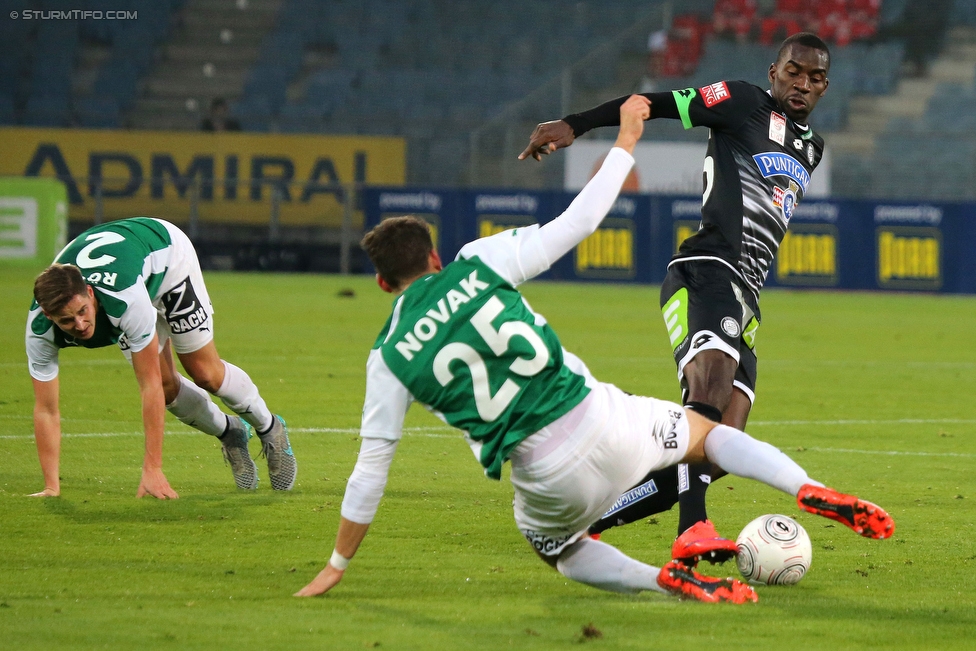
{"x":757,"y":169}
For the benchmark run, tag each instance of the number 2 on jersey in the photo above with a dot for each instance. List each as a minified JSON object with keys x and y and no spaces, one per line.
{"x":490,"y":406}
{"x":84,"y":259}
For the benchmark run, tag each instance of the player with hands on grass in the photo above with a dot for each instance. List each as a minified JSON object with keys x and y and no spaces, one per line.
{"x":758,"y":166}
{"x":462,"y":341}
{"x":137,"y":283}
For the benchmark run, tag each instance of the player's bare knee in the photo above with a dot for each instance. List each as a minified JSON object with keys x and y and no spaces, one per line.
{"x":207,"y":378}
{"x":171,"y":389}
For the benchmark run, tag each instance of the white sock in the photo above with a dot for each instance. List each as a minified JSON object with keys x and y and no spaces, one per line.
{"x":241,"y":396}
{"x":194,"y":407}
{"x":602,"y":566}
{"x":738,"y":453}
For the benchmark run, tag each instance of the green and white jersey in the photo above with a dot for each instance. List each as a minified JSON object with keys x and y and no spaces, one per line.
{"x":466,"y":344}
{"x":125,"y":263}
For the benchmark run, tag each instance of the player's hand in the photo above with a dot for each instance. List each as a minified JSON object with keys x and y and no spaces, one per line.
{"x":322,"y":583}
{"x":547,"y":138}
{"x":633,"y":112}
{"x":154,"y":483}
{"x":47,"y":492}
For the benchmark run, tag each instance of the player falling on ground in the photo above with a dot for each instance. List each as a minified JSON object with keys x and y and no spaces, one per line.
{"x":137,"y":283}
{"x":464,"y":342}
{"x":761,"y":153}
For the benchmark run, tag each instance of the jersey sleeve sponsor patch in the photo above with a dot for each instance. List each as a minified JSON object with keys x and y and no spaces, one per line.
{"x":714,"y":94}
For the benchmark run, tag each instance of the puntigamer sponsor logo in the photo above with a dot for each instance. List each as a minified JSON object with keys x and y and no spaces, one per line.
{"x":633,"y":495}
{"x":780,"y":164}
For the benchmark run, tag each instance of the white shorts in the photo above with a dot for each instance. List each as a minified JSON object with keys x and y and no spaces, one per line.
{"x":184,"y":313}
{"x":568,"y":474}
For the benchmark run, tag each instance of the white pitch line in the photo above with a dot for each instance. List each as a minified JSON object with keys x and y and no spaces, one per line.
{"x":450,"y":433}
{"x":893,"y":453}
{"x":427,"y":432}
{"x":763,"y":423}
{"x":80,"y":362}
{"x":898,"y":421}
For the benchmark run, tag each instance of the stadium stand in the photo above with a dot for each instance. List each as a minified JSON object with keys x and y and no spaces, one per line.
{"x":919,"y":141}
{"x":449,"y":75}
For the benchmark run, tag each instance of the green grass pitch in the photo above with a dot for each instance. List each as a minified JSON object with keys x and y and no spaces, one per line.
{"x":873,"y":394}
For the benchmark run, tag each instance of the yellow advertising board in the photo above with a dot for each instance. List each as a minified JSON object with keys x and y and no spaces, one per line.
{"x":609,"y":252}
{"x":808,"y":256}
{"x":909,"y":257}
{"x":232,"y":176}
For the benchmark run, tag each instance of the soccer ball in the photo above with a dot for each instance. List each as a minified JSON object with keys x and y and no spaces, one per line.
{"x":775,"y":550}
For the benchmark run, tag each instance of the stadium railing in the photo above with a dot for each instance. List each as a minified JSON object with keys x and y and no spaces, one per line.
{"x":321,"y":219}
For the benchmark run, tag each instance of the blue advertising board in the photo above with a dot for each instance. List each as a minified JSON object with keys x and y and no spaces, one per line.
{"x":901,"y":246}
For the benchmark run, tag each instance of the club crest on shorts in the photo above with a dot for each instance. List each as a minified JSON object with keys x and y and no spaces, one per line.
{"x":730,"y":326}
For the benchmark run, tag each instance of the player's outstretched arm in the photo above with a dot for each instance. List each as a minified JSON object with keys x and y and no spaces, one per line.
{"x":47,"y":435}
{"x":633,"y":112}
{"x":348,"y":539}
{"x":591,"y":205}
{"x":146,"y":365}
{"x":546,"y":138}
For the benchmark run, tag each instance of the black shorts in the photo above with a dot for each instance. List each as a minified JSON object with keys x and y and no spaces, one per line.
{"x":705,"y":308}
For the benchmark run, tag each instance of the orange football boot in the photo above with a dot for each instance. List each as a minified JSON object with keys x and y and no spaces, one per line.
{"x":683,"y":581}
{"x":865,"y":518}
{"x":701,"y":542}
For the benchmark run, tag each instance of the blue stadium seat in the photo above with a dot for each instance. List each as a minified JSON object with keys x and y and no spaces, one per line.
{"x":267,"y":81}
{"x":300,"y":118}
{"x":964,"y":13}
{"x":47,"y":111}
{"x":51,"y":74}
{"x":135,"y":44}
{"x":98,"y":112}
{"x":118,"y":79}
{"x":253,"y":112}
{"x":8,"y":112}
{"x":283,"y":51}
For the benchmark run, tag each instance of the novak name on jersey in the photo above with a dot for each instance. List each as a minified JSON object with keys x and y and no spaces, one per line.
{"x":465,"y":343}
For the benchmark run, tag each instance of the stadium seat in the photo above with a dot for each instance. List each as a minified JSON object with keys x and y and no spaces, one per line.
{"x":253,"y":112}
{"x":8,"y":112}
{"x":964,"y":13}
{"x":47,"y":111}
{"x":98,"y":112}
{"x":118,"y":79}
{"x":267,"y":81}
{"x":283,"y":51}
{"x":300,"y":118}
